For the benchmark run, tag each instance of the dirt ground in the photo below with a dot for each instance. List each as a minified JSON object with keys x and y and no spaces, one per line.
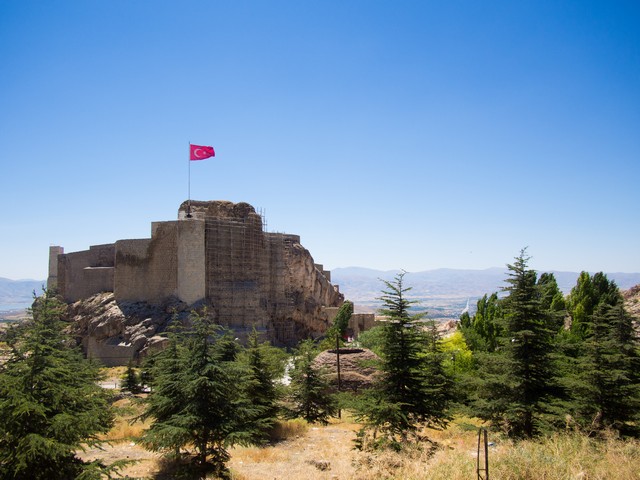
{"x":144,"y":462}
{"x":321,"y":453}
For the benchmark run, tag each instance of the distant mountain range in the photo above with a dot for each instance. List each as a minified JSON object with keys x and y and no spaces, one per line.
{"x":18,"y":294}
{"x":444,"y":292}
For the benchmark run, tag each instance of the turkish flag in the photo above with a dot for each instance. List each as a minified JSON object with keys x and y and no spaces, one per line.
{"x":198,"y":152}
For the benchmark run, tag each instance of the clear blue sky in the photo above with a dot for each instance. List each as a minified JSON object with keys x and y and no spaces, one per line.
{"x":388,"y":134}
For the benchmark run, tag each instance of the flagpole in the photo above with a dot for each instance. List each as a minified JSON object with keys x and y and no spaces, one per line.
{"x":189,"y":188}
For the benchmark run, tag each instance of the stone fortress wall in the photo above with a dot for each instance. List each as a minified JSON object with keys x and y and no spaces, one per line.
{"x":217,"y":253}
{"x":81,"y":274}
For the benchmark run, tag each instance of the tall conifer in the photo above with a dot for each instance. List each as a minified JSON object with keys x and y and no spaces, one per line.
{"x":260,"y":391}
{"x":131,"y":380}
{"x":310,"y":391}
{"x":518,"y":381}
{"x":50,"y":403}
{"x":607,"y":379}
{"x":589,"y":292}
{"x":413,"y":390}
{"x":197,"y":397}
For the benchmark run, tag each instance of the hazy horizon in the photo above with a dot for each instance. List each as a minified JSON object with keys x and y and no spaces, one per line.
{"x":392,"y":270}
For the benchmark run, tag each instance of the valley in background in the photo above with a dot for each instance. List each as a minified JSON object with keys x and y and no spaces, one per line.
{"x":444,"y":292}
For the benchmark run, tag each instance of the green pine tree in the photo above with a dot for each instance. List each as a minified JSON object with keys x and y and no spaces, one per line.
{"x":50,"y":403}
{"x":166,"y":370}
{"x":197,"y":397}
{"x":131,"y":380}
{"x":310,"y":390}
{"x":606,"y":382}
{"x":261,"y":391}
{"x":517,"y":382}
{"x":413,"y":390}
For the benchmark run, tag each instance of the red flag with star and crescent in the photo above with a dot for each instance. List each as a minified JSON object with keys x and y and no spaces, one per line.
{"x":199,"y":152}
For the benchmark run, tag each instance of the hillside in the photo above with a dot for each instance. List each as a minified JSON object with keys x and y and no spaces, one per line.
{"x":632,"y":304}
{"x":632,"y":300}
{"x":326,"y":453}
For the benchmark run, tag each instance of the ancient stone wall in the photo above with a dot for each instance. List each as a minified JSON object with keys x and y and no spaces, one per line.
{"x":147,"y":269}
{"x":115,"y":332}
{"x":307,"y":293}
{"x":191,"y":261}
{"x":52,"y":279}
{"x":235,"y":271}
{"x":360,"y":322}
{"x":82,"y":274}
{"x":110,"y":353}
{"x":255,"y":279}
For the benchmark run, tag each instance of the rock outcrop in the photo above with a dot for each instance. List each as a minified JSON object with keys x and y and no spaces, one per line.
{"x":116,"y":333}
{"x":631,"y":300}
{"x":357,"y":369}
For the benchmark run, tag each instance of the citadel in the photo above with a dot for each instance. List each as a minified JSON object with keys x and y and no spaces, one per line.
{"x":217,"y":254}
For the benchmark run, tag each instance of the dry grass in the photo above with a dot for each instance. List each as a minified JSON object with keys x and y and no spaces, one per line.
{"x":569,"y":456}
{"x":122,"y":443}
{"x":308,"y":451}
{"x":288,"y":429}
{"x":317,"y":453}
{"x":451,"y":456}
{"x":559,"y":457}
{"x":125,"y":429}
{"x":113,"y":372}
{"x":127,"y":409}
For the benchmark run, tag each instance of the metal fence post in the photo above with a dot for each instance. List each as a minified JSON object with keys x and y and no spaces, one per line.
{"x":483,"y":472}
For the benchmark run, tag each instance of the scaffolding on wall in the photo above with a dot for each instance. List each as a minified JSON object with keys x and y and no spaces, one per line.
{"x":235,"y":271}
{"x":282,"y":296}
{"x":249,"y":280}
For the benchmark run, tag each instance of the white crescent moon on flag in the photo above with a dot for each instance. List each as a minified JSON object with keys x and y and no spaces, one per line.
{"x":197,"y":154}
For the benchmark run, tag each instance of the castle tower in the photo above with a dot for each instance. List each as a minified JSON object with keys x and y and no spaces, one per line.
{"x":52,"y":279}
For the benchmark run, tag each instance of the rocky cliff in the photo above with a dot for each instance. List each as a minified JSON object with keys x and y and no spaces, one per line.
{"x":357,"y":367}
{"x":118,"y":332}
